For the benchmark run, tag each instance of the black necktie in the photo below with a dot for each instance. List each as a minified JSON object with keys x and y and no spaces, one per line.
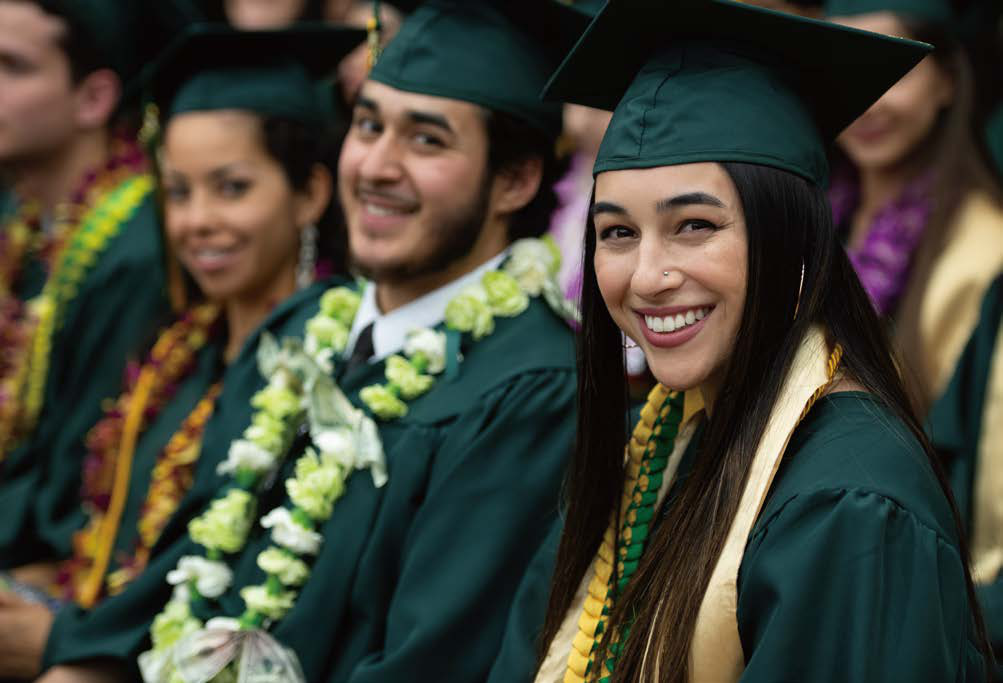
{"x":363,"y":350}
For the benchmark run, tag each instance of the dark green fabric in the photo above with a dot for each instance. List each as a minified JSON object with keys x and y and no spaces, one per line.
{"x":855,"y":546}
{"x":414,"y":580}
{"x":716,"y":80}
{"x":521,"y":641}
{"x":105,"y":23}
{"x":994,"y":138}
{"x":933,"y":11}
{"x":128,"y":33}
{"x":851,"y":573}
{"x":78,"y":634}
{"x":493,"y":53}
{"x":663,"y":119}
{"x":118,"y":308}
{"x":272,"y":73}
{"x":955,"y":425}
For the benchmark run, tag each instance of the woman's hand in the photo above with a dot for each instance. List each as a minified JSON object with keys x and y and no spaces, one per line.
{"x":41,"y":575}
{"x":24,"y":630}
{"x":84,"y":673}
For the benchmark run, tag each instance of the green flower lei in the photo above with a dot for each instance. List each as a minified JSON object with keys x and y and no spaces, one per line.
{"x":97,"y":229}
{"x":300,"y":393}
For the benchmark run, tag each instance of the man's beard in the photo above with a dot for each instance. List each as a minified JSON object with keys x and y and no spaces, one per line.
{"x":454,"y":240}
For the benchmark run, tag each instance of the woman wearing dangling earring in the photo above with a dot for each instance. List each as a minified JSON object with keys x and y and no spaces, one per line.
{"x":779,"y":510}
{"x":246,"y":183}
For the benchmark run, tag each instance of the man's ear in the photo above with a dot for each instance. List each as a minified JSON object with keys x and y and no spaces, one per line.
{"x":97,"y":97}
{"x":312,"y":201}
{"x":516,"y":186}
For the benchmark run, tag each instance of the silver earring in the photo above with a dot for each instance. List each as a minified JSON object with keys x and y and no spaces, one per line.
{"x":628,"y":343}
{"x":306,"y":266}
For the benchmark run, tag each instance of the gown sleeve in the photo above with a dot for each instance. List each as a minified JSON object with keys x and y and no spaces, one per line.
{"x":517,"y":659}
{"x":116,"y":628}
{"x":491,"y":499}
{"x":847,"y":585}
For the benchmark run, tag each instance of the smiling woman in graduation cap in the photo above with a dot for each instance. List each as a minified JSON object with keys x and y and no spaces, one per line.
{"x":795,"y":527}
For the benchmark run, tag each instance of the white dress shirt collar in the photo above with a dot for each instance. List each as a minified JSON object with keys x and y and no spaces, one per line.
{"x":390,"y":330}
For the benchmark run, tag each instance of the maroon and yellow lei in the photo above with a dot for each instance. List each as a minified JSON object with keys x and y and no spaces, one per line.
{"x":111,"y":445}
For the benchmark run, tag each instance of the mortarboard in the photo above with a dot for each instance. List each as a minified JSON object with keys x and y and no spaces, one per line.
{"x":272,"y":73}
{"x":716,"y":80}
{"x":493,"y":53}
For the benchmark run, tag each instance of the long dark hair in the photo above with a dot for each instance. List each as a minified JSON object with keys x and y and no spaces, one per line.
{"x":789,"y":224}
{"x":956,"y":154}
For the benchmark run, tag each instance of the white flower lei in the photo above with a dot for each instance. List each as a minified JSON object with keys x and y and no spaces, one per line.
{"x":300,"y":393}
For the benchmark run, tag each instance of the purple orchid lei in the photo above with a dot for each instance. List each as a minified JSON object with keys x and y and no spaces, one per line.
{"x":883,"y":262}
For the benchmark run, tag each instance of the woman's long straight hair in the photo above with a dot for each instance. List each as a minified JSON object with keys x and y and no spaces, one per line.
{"x":789,"y":225}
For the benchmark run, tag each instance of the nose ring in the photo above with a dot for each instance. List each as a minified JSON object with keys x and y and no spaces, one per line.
{"x":665,"y":273}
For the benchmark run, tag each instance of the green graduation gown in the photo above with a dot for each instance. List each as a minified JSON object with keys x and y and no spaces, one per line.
{"x":120,"y":304}
{"x":852,"y":571}
{"x":994,"y":137}
{"x":956,"y":426}
{"x":414,"y":580}
{"x":76,"y":633}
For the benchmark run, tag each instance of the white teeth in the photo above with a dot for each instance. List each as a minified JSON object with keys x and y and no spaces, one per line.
{"x":382,"y":210}
{"x":671,"y":323}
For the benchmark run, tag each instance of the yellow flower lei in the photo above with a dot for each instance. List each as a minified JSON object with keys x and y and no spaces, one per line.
{"x":98,"y":227}
{"x":17,"y":234}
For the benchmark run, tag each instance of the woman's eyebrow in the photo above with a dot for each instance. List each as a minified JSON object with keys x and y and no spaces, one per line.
{"x":607,"y":207}
{"x":688,"y":199}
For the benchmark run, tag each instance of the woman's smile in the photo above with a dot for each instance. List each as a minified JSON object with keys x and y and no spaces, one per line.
{"x":673,"y":326}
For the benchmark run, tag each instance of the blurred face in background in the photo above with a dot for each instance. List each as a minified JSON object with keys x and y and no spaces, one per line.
{"x":263,"y":14}
{"x":354,"y":68}
{"x":336,"y":10}
{"x":41,"y":108}
{"x":903,"y":119}
{"x":586,"y":126}
{"x":232,"y":217}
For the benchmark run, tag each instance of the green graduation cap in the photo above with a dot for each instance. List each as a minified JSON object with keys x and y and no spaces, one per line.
{"x":272,"y":73}
{"x":493,"y":53}
{"x":937,"y":12}
{"x":716,"y":80}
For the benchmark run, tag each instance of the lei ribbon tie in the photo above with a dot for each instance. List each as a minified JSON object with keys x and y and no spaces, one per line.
{"x":203,"y":655}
